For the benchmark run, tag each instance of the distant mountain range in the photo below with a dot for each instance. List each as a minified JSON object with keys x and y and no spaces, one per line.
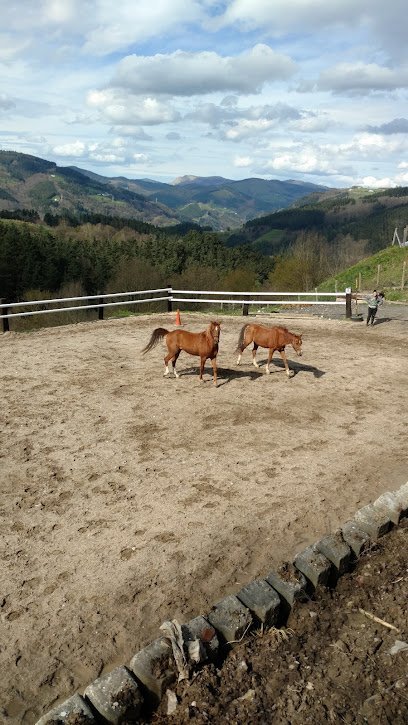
{"x":33,"y":183}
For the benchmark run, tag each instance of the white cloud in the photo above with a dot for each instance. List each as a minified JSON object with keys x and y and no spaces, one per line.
{"x":98,"y":27}
{"x":139,"y":158}
{"x":401,"y":180}
{"x":247,"y":128}
{"x":122,"y":24}
{"x":372,"y":183}
{"x":118,"y":151}
{"x":282,"y":16}
{"x":185,"y":74}
{"x":231,"y":115}
{"x":303,"y":161}
{"x":313,"y":123}
{"x":60,"y":12}
{"x":362,"y":78}
{"x":379,"y":23}
{"x":372,"y":146}
{"x":242,"y":162}
{"x":74,"y":149}
{"x":115,"y":107}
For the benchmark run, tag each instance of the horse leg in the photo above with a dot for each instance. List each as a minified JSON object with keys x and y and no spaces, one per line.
{"x":174,"y":360}
{"x":254,"y":349}
{"x":214,"y":367}
{"x":244,"y":345}
{"x":269,"y":360}
{"x":202,"y":363}
{"x":285,"y":362}
{"x":241,"y":350}
{"x":171,"y":355}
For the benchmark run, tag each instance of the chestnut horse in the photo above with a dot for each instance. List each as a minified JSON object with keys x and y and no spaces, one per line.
{"x":274,"y":338}
{"x":204,"y":344}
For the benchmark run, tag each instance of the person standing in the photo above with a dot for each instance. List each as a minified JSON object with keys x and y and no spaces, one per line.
{"x":373,"y":302}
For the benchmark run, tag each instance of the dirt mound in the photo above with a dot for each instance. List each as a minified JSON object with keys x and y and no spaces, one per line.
{"x":331,"y":664}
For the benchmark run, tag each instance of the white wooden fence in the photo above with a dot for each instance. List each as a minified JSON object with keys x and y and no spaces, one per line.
{"x":9,"y":310}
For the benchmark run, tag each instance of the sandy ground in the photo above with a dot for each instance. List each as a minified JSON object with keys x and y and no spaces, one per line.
{"x":128,"y":498}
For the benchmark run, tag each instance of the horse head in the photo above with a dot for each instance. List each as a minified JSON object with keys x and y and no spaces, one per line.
{"x":214,"y":329}
{"x":296,"y":343}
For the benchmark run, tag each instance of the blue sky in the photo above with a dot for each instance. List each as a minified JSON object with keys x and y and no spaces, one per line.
{"x":277,"y":89}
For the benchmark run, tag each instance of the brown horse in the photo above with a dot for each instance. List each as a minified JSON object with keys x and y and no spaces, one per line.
{"x":204,"y":344}
{"x":274,"y":338}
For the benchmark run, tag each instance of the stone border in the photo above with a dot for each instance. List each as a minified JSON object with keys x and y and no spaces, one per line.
{"x":128,"y":691}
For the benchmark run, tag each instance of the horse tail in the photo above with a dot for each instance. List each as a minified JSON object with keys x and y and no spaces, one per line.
{"x":241,"y":338}
{"x":157,"y":335}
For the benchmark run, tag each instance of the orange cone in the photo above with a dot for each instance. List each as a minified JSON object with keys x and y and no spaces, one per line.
{"x":178,"y":321}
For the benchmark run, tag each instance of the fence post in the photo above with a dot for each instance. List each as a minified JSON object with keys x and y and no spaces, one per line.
{"x":404,"y":265}
{"x":4,"y":311}
{"x":100,"y":310}
{"x":348,"y":303}
{"x":245,"y":307}
{"x":169,"y":300}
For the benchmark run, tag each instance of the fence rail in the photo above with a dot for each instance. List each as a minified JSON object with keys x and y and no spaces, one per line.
{"x":170,"y":295}
{"x":244,"y":298}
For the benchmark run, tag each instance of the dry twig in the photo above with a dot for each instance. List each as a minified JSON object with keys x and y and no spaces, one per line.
{"x":378,"y":620}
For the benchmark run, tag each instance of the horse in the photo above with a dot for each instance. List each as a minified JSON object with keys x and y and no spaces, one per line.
{"x":204,"y":344}
{"x":274,"y":338}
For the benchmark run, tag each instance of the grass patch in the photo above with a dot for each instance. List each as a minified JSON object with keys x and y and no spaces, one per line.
{"x":384,"y":270}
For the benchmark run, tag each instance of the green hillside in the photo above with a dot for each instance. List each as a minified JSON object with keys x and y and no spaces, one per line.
{"x":27,"y":182}
{"x":384,"y":270}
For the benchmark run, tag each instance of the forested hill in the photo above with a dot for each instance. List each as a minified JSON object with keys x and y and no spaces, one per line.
{"x":38,"y":260}
{"x":365,"y":216}
{"x":33,"y":183}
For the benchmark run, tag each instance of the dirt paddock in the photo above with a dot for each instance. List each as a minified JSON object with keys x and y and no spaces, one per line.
{"x":128,"y":498}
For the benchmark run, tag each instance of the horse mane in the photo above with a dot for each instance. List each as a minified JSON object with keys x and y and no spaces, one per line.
{"x":157,"y":335}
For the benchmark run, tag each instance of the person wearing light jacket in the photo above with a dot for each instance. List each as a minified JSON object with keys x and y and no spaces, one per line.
{"x":373,"y":303}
